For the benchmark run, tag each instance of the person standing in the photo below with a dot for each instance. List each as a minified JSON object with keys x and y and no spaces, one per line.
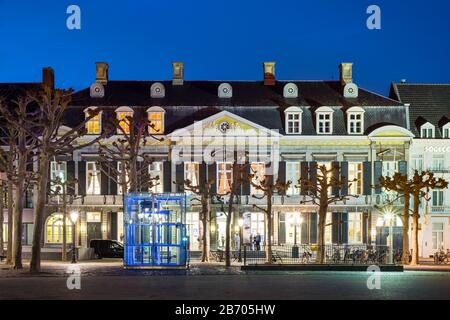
{"x":258,"y":242}
{"x":237,"y":241}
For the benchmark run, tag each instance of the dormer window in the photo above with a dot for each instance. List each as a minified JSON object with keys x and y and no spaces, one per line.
{"x":324,"y":120}
{"x":94,"y":124}
{"x":156,"y":119}
{"x":427,"y":131}
{"x":225,"y":91}
{"x":293,"y":116}
{"x":355,"y":120}
{"x":157,"y":90}
{"x":124,"y":115}
{"x":290,"y":91}
{"x":446,"y":131}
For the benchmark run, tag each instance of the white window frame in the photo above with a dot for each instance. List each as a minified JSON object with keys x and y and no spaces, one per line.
{"x":293,"y":112}
{"x":188,"y":173}
{"x":438,"y":235}
{"x":446,"y":131}
{"x":97,"y":172}
{"x":355,"y":220}
{"x":437,"y":199}
{"x":324,"y":111}
{"x":86,"y":114}
{"x":259,"y":176}
{"x":354,"y":112}
{"x":355,"y":171}
{"x":427,"y":131}
{"x":163,"y":119}
{"x":55,"y":171}
{"x":293,"y":174}
{"x":152,"y":172}
{"x":225,"y":171}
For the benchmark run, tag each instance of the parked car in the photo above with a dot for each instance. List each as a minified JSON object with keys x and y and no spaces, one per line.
{"x":107,"y":248}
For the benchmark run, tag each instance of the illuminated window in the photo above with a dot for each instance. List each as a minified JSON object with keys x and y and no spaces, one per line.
{"x":124,"y":115}
{"x":92,"y":178}
{"x":224,"y":177}
{"x":58,"y":169}
{"x":328,"y":229}
{"x":355,"y":225}
{"x":155,"y":169}
{"x":259,"y":171}
{"x":355,"y":172}
{"x":293,"y":175}
{"x":94,"y":124}
{"x":191,"y":173}
{"x":156,"y":119}
{"x":55,"y":227}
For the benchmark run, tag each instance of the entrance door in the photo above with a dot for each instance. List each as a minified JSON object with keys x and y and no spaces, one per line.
{"x":94,"y":231}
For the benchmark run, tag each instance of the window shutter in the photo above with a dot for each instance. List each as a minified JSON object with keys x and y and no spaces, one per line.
{"x":344,"y":178}
{"x":270,"y":175}
{"x":70,"y":177}
{"x":179,"y":177}
{"x":344,"y":228}
{"x":82,"y":178}
{"x":167,"y":176}
{"x":304,"y":177}
{"x":378,"y":172}
{"x":246,"y":185}
{"x":367,"y":178}
{"x":282,"y":174}
{"x":335,"y":176}
{"x":365,"y":218}
{"x":304,"y":229}
{"x":335,"y":219}
{"x":113,"y":181}
{"x":313,"y":176}
{"x":313,"y":227}
{"x":282,"y":228}
{"x":103,"y":178}
{"x":403,"y":168}
{"x":212,"y":176}
{"x":202,"y":173}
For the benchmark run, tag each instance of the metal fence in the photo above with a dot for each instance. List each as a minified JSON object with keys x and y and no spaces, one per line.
{"x":307,"y":254}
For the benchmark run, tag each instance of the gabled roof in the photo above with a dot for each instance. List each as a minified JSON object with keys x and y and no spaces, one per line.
{"x":428,"y":103}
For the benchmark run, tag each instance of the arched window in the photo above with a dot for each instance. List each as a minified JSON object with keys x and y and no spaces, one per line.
{"x":124,"y":115}
{"x":157,"y":90}
{"x":225,"y":90}
{"x":54,"y":227}
{"x":156,"y":119}
{"x":290,"y":90}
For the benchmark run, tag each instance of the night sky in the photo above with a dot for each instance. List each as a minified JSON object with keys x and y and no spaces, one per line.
{"x":226,"y":40}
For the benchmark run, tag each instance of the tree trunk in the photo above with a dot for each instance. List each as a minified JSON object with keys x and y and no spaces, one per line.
{"x":228,"y":231}
{"x":35,"y":264}
{"x":10,"y":221}
{"x":64,"y":243}
{"x":321,"y":233}
{"x":133,"y":175}
{"x":206,"y":236}
{"x":18,"y":210}
{"x":415,"y":235}
{"x":2,"y":205}
{"x":269,"y":230}
{"x":405,"y":221}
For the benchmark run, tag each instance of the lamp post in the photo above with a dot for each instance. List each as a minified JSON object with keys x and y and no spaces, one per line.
{"x":296,"y":221}
{"x":74,"y":218}
{"x":241,"y":225}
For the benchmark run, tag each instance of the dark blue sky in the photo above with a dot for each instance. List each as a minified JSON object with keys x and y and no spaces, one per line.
{"x":226,"y":40}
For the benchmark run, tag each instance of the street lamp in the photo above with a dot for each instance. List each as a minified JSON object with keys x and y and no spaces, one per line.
{"x":240,"y":224}
{"x":296,"y":220}
{"x":74,"y":218}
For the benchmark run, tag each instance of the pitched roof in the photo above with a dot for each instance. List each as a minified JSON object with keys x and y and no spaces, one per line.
{"x":428,"y":103}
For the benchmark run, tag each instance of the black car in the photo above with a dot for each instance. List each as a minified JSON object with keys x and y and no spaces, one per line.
{"x":107,"y":248}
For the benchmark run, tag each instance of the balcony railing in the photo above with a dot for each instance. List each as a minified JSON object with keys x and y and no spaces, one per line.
{"x":90,"y":200}
{"x":440,"y":209}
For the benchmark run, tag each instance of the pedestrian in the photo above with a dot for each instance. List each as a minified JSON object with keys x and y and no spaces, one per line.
{"x":258,"y":242}
{"x":237,"y":241}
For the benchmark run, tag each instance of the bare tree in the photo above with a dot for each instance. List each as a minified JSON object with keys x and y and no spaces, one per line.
{"x":2,"y":206}
{"x":268,"y":189}
{"x":318,"y":191}
{"x":204,"y":194}
{"x":418,"y":188}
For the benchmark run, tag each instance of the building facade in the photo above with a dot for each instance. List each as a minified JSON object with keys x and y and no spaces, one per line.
{"x":428,"y":106}
{"x":283,"y":127}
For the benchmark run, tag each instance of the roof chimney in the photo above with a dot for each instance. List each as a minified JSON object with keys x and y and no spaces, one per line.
{"x":48,"y":78}
{"x":346,"y":73}
{"x":269,"y":73}
{"x":178,"y":73}
{"x":101,"y":72}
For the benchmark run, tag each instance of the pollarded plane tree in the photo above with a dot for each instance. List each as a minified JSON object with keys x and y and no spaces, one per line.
{"x":268,"y":189}
{"x":416,"y":188}
{"x":323,"y":188}
{"x":203,"y":194}
{"x":16,"y":156}
{"x":46,"y":127}
{"x":123,"y":157}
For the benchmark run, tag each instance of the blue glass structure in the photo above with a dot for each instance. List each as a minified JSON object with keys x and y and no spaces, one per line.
{"x":155,"y":231}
